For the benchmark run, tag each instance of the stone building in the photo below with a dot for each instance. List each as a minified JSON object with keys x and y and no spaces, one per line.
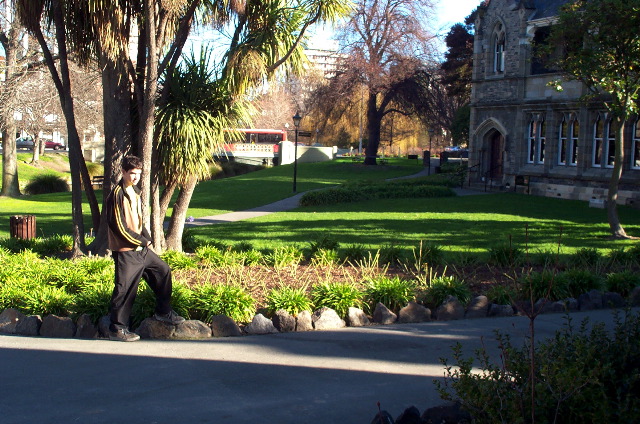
{"x":524,"y":134}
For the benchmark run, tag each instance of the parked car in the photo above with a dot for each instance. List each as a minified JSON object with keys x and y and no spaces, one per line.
{"x":24,"y":143}
{"x":54,"y":145}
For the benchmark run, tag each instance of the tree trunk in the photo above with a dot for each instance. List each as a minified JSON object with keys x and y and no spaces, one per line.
{"x":10,"y":185}
{"x":176,"y":225}
{"x":38,"y":145}
{"x":374,"y":123}
{"x":612,"y":195}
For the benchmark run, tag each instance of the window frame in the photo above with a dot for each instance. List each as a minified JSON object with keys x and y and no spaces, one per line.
{"x":536,"y":139}
{"x":499,"y":48}
{"x":602,"y":145}
{"x":568,"y":134}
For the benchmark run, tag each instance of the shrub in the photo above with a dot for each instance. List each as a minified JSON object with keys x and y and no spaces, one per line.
{"x":250,"y":257}
{"x":391,"y":254}
{"x":354,"y":253}
{"x":586,"y":257}
{"x":243,"y":246}
{"x":323,"y":242}
{"x":337,"y":296}
{"x":505,"y":255}
{"x":622,"y":282}
{"x":325,"y":257}
{"x":41,"y":299}
{"x":502,"y":295}
{"x":215,"y":257}
{"x":94,"y":299}
{"x":546,"y":258}
{"x":443,"y":286}
{"x":55,"y":244}
{"x":428,"y":253}
{"x":95,"y":169}
{"x":46,"y":183}
{"x":189,"y":240}
{"x":178,"y":260}
{"x":293,"y":300}
{"x":582,"y":376}
{"x":545,"y":284}
{"x":233,"y":301}
{"x":145,"y":304}
{"x":284,"y":256}
{"x":579,"y":281}
{"x":620,"y":258}
{"x":393,"y":292}
{"x":16,"y":245}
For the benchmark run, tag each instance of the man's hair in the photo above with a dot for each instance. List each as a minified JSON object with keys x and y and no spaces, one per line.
{"x":131,"y":162}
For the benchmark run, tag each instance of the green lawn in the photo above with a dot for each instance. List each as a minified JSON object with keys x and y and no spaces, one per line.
{"x":459,"y":224}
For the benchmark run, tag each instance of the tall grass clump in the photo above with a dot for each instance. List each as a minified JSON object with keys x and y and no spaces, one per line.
{"x":443,"y":286}
{"x":145,"y":304}
{"x":178,"y":260}
{"x":586,"y":257}
{"x":337,"y":296}
{"x":622,"y":282}
{"x":506,"y":255}
{"x":94,"y":300}
{"x":291,"y":299}
{"x":46,"y":183}
{"x":222,"y":299}
{"x":392,"y":292}
{"x":284,"y":256}
{"x":578,"y":281}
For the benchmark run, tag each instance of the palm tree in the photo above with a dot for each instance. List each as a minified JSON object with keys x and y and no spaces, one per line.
{"x":189,"y":128}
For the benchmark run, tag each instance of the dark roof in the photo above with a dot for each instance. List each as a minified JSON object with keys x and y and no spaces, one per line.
{"x":546,"y":8}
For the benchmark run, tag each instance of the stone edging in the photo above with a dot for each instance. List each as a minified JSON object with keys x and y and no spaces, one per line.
{"x":13,"y":321}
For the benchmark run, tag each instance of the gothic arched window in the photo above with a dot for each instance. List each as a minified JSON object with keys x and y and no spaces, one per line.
{"x":498,"y":49}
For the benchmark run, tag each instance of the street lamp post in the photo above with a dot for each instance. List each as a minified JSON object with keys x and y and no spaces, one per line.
{"x":296,"y":123}
{"x":431,"y":131}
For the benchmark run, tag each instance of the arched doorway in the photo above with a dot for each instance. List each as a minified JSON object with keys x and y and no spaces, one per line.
{"x":496,"y":152}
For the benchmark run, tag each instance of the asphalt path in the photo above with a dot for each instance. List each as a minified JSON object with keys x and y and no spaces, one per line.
{"x":312,"y":377}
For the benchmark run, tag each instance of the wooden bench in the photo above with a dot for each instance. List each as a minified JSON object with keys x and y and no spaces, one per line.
{"x":97,"y":181}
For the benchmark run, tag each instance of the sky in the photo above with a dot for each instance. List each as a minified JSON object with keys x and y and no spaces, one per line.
{"x":448,"y":13}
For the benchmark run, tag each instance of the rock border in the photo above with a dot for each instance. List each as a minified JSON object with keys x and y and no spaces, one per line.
{"x":13,"y":321}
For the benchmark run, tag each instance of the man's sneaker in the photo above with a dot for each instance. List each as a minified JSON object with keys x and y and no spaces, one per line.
{"x":171,"y":318}
{"x":123,"y":335}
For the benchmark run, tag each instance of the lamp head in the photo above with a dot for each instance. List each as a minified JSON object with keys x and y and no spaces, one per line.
{"x":296,"y":119}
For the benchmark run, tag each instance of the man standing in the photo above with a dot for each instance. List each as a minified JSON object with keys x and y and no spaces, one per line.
{"x":129,"y":242}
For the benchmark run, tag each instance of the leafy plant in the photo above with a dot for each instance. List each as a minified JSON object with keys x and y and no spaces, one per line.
{"x":293,"y":300}
{"x":502,"y":295}
{"x":325,"y":257}
{"x":230,"y":300}
{"x":54,"y":244}
{"x":145,"y":304}
{"x":213,"y":256}
{"x":545,"y":284}
{"x":506,"y":255}
{"x":443,"y":286}
{"x":586,"y":257}
{"x":323,"y":242}
{"x":578,"y":281}
{"x":337,"y":296}
{"x":391,"y":254}
{"x":46,"y":183}
{"x":354,"y":253}
{"x":622,"y":282}
{"x":393,"y":292}
{"x":284,"y":256}
{"x":94,"y":299}
{"x":178,"y":260}
{"x":43,"y":300}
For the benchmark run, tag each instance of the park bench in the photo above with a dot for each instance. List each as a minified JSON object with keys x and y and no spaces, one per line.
{"x":97,"y":181}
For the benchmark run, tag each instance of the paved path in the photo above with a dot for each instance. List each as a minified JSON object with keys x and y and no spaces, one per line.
{"x":328,"y":377}
{"x":292,"y":203}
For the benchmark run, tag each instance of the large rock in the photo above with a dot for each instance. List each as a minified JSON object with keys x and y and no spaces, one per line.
{"x":634,"y":297}
{"x":411,"y":415}
{"x":357,"y":318}
{"x":500,"y":310}
{"x":591,"y":300}
{"x":478,"y":308}
{"x":383,"y":315}
{"x":284,"y":321}
{"x":382,"y":417}
{"x":450,"y":309}
{"x":103,"y":326}
{"x":30,"y":326}
{"x":613,"y":300}
{"x":9,"y":319}
{"x":153,"y":329}
{"x":414,"y":312}
{"x":304,"y":321}
{"x":59,"y":327}
{"x":191,"y":330}
{"x":327,"y":319}
{"x":446,"y":414}
{"x":260,"y":325}
{"x":85,"y":328}
{"x":224,"y":326}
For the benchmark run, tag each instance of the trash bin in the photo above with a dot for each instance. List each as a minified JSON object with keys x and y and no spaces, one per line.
{"x":444,"y":157}
{"x":22,"y":226}
{"x":426,"y":158}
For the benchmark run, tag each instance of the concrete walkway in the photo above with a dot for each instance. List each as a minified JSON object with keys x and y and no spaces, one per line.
{"x":328,"y":377}
{"x":292,"y":203}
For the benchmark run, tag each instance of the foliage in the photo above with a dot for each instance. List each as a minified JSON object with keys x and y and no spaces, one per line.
{"x":354,"y":252}
{"x":325,"y":257}
{"x":94,"y":299}
{"x":178,"y":260}
{"x":430,"y":254}
{"x":502,"y":295}
{"x":213,"y":256}
{"x":324,"y":242}
{"x":391,"y":254}
{"x":545,"y":284}
{"x":145,"y":304}
{"x":284,"y":256}
{"x":392,"y":292}
{"x":585,"y":257}
{"x":578,"y":281}
{"x":291,"y":299}
{"x":505,"y":255}
{"x":337,"y":296}
{"x":622,"y":282}
{"x":230,"y":300}
{"x":583,"y":375}
{"x":40,"y":299}
{"x":46,"y":183}
{"x":443,"y":286}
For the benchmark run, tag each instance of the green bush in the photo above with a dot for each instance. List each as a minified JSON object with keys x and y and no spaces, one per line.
{"x":215,"y":257}
{"x":354,"y":253}
{"x":578,"y":281}
{"x":428,"y":253}
{"x":145,"y":304}
{"x":506,"y":255}
{"x":337,"y":296}
{"x":250,"y":257}
{"x":443,"y":286}
{"x":620,"y":258}
{"x":233,"y":301}
{"x":392,"y":292}
{"x":16,"y":245}
{"x":588,"y":375}
{"x":42,"y":299}
{"x":325,"y":257}
{"x":95,"y":169}
{"x":323,"y":242}
{"x":392,"y":254}
{"x":46,"y":183}
{"x":54,"y":244}
{"x":284,"y":256}
{"x":94,"y":299}
{"x":293,"y":300}
{"x":586,"y":257}
{"x":502,"y":295}
{"x":622,"y":282}
{"x":546,"y":284}
{"x":178,"y":260}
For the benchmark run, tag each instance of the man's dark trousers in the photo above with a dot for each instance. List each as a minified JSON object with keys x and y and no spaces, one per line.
{"x":130,"y":267}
